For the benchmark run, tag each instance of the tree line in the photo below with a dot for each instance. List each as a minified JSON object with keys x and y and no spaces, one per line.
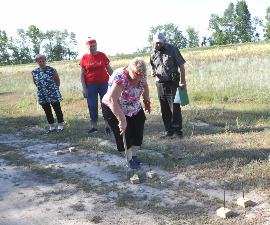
{"x":235,"y":26}
{"x":57,"y":45}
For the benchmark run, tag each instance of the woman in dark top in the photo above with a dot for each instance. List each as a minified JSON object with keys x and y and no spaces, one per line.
{"x":47,"y":82}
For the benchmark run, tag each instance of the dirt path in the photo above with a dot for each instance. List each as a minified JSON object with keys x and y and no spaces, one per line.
{"x":80,"y":188}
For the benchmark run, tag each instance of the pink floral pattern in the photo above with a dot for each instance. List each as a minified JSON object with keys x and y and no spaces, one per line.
{"x":129,"y":100}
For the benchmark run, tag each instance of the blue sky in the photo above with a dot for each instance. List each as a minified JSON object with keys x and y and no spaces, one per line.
{"x":119,"y":26}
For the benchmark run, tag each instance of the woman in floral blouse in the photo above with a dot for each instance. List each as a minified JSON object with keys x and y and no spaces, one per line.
{"x":123,"y":107}
{"x":47,"y":81}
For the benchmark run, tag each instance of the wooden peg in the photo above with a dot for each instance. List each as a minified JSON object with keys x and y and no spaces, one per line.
{"x":135,"y":179}
{"x":244,"y":202}
{"x":223,"y":211}
{"x":72,"y":149}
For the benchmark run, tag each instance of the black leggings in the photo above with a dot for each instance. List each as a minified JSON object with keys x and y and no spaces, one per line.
{"x":134,"y":130}
{"x":48,"y":111}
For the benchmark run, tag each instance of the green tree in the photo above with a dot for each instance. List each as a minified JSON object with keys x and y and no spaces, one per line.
{"x":72,"y":42}
{"x":193,"y":37}
{"x":267,"y":25}
{"x":216,"y":25}
{"x":204,"y":41}
{"x":60,"y":48}
{"x":21,"y":49}
{"x":4,"y":54}
{"x":36,"y":37}
{"x":235,"y":26}
{"x":243,"y":25}
{"x":59,"y":45}
{"x":49,"y":44}
{"x":257,"y":22}
{"x":172,"y":34}
{"x":228,"y":25}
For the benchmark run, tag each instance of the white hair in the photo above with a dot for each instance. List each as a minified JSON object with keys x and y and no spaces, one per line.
{"x":40,"y":56}
{"x":138,"y":65}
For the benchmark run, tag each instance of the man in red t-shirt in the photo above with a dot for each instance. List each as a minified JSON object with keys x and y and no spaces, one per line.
{"x":95,"y":71}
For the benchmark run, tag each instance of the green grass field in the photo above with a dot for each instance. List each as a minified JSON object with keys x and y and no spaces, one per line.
{"x":228,"y":87}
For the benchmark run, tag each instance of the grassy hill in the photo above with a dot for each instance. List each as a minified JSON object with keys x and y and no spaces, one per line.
{"x":229,"y":90}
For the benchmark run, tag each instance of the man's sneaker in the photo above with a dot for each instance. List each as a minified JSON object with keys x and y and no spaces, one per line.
{"x":133,"y":165}
{"x":50,"y":131}
{"x":107,"y":130}
{"x":137,"y":160}
{"x":92,"y":131}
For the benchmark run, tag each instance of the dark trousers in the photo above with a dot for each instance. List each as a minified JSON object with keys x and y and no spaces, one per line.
{"x":171,"y":112}
{"x":48,"y":111}
{"x":134,"y":130}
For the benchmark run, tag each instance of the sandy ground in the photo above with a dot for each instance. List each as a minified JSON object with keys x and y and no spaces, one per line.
{"x":28,"y":198}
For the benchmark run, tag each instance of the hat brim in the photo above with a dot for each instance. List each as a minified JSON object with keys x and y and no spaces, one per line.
{"x":159,"y":40}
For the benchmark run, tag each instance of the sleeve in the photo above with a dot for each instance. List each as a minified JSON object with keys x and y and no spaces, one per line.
{"x":82,"y":62}
{"x":35,"y":71}
{"x":106,"y":60}
{"x":151,"y":61}
{"x":53,"y":70}
{"x":119,"y":79}
{"x":178,"y":57}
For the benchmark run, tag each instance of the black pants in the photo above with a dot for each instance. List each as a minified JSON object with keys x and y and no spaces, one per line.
{"x":48,"y":111}
{"x":171,"y":112}
{"x":134,"y":130}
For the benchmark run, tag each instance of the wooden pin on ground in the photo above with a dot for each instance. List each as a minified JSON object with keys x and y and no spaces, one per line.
{"x":72,"y":149}
{"x":223,"y":211}
{"x":134,"y":179}
{"x":244,"y":202}
{"x":59,"y":153}
{"x":151,"y":174}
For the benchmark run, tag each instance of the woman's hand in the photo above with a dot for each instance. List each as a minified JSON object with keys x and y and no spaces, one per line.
{"x":84,"y":92}
{"x":83,"y":75}
{"x":147,"y":106}
{"x":122,"y":126}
